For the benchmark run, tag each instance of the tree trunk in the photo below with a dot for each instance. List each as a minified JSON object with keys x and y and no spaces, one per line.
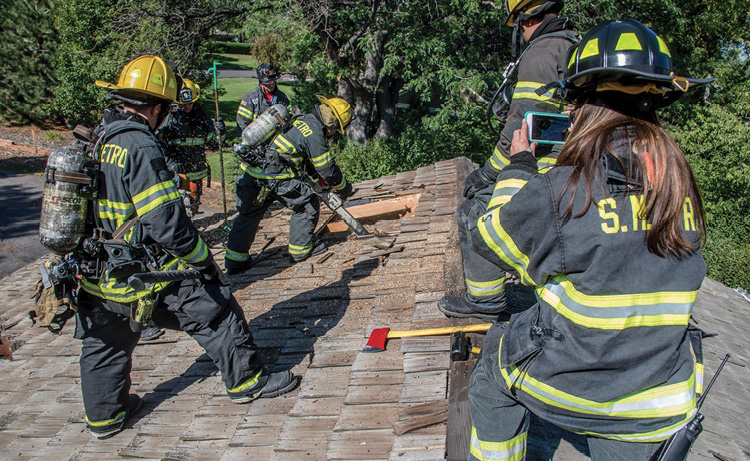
{"x":386,"y":99}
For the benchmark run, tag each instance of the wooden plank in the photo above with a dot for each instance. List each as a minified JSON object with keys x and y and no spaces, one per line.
{"x":418,"y":447}
{"x":424,"y":387}
{"x":367,"y":417}
{"x":403,"y":206}
{"x":459,"y":419}
{"x":371,"y":444}
{"x":422,"y":415}
{"x":426,"y":361}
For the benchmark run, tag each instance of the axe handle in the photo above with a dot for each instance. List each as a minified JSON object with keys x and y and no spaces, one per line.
{"x":439,"y":331}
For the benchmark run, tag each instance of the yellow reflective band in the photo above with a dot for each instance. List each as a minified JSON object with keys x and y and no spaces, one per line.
{"x":512,"y":450}
{"x":245,"y":113}
{"x":249,"y":382}
{"x":590,"y":49}
{"x":628,"y":42}
{"x":658,"y":402}
{"x":504,"y":191}
{"x":663,"y":46}
{"x":197,"y":175}
{"x":617,"y":312}
{"x":199,"y":253}
{"x":236,"y":256}
{"x":154,"y":196}
{"x":652,"y":436}
{"x":191,"y":142}
{"x":490,"y":288}
{"x":545,"y":163}
{"x":340,"y":185}
{"x":256,"y":172}
{"x":120,"y":416}
{"x":284,"y":146}
{"x":572,"y":59}
{"x":300,"y":250}
{"x":123,"y":293}
{"x":699,"y":369}
{"x":500,"y":242}
{"x":322,"y":160}
{"x":498,"y":160}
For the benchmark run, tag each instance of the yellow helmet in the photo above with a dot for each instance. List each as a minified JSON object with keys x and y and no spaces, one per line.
{"x":529,"y":8}
{"x":341,"y":110}
{"x":190,"y":92}
{"x":146,"y":77}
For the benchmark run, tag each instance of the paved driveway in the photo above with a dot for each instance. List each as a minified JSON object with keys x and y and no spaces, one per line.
{"x":20,"y":205}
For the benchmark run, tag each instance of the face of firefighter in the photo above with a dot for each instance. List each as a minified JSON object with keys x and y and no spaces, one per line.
{"x":529,"y":26}
{"x":268,"y":88}
{"x":187,"y":108}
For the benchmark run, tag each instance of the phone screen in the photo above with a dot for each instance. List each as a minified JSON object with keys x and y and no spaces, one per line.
{"x":547,"y":128}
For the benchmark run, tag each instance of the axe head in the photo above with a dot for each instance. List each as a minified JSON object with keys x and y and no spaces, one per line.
{"x":377,"y":340}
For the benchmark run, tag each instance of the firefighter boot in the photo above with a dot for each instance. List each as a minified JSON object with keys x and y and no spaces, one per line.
{"x":242,"y":267}
{"x":266,"y":387}
{"x":460,"y":307}
{"x":112,"y":427}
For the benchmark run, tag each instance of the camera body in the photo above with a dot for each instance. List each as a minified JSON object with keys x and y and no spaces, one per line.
{"x":547,"y":127}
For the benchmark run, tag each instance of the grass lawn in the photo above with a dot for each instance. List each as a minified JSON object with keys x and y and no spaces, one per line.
{"x":234,"y":61}
{"x":228,"y":104}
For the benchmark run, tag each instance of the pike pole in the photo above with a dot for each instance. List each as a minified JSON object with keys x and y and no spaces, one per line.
{"x":218,"y":135}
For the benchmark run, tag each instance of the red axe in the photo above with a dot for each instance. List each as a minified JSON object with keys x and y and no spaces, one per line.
{"x":379,"y":336}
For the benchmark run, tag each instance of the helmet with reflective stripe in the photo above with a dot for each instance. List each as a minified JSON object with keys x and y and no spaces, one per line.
{"x":267,"y":73}
{"x":189,"y":93}
{"x":340,"y":109}
{"x":145,"y":79}
{"x":627,"y":57}
{"x":525,"y":9}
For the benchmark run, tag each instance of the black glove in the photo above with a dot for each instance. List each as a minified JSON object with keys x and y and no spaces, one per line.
{"x":219,"y":126}
{"x":477,"y":180}
{"x":346,"y":192}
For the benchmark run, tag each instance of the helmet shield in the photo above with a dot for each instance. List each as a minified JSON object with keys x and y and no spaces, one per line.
{"x":189,"y":93}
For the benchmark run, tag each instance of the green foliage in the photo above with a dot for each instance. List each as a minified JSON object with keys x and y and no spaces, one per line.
{"x":718,"y":144}
{"x":418,"y":141}
{"x":26,"y":77}
{"x":230,"y":48}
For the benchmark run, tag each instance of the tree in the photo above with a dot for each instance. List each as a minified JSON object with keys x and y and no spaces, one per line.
{"x":98,"y":37}
{"x":26,"y":75}
{"x":380,"y":47}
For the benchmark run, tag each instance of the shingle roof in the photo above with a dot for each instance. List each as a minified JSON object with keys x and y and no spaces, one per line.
{"x":315,"y":317}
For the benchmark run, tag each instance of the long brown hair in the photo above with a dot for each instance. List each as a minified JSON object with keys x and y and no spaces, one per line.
{"x":659,"y":166}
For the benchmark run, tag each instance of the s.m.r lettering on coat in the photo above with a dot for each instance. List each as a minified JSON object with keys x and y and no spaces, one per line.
{"x":612,"y":223}
{"x":114,"y":155}
{"x":302,"y":127}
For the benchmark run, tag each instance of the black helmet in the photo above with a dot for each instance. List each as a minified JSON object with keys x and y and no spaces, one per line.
{"x":267,"y":73}
{"x":627,"y":57}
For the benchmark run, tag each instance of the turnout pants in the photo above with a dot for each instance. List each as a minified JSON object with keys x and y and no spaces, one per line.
{"x":500,"y":423}
{"x":207,"y":312}
{"x":294,"y":194}
{"x":485,"y":282}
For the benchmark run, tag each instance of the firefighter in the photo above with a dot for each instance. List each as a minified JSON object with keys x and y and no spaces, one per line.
{"x":610,"y":241}
{"x":139,"y":201}
{"x":185,"y":134}
{"x":279,"y":174}
{"x":548,"y":37}
{"x":265,"y":95}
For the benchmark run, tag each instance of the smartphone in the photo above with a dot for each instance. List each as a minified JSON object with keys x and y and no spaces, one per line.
{"x":547,"y":127}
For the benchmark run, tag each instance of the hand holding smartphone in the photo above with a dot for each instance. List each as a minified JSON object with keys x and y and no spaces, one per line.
{"x":547,"y":127}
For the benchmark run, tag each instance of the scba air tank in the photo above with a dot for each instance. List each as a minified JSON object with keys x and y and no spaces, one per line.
{"x":62,"y":224}
{"x":266,"y":126}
